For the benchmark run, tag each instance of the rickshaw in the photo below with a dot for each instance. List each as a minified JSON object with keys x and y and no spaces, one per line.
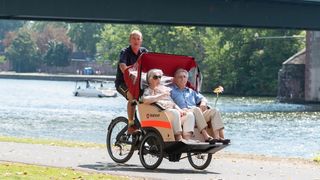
{"x":156,"y":140}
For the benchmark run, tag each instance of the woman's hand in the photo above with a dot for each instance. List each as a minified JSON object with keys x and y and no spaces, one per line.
{"x":182,"y":112}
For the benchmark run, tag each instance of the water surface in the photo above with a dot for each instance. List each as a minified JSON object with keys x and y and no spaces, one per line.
{"x":47,"y":109}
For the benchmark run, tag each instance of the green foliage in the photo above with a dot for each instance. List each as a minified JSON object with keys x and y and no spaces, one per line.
{"x":113,"y":39}
{"x":23,"y":53}
{"x":9,"y":25}
{"x":85,"y":36}
{"x":317,"y":158}
{"x":57,"y":55}
{"x":41,"y":26}
{"x":243,"y":64}
{"x":2,"y":59}
{"x":232,"y":57}
{"x":164,"y":39}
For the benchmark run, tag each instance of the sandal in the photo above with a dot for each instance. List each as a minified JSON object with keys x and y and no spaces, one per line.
{"x":224,"y":141}
{"x":211,"y":140}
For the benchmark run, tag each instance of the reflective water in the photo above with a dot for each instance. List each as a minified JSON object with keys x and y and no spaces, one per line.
{"x":47,"y":109}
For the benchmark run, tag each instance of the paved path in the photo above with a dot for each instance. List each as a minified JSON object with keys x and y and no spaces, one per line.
{"x":224,"y":166}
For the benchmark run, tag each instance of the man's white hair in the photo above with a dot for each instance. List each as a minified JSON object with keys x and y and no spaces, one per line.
{"x":181,"y":70}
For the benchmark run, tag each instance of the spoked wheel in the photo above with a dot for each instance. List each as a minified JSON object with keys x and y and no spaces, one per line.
{"x":199,"y":160}
{"x":151,"y":151}
{"x":119,"y":143}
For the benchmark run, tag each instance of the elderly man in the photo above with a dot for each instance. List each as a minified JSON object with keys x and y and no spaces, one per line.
{"x":188,"y":99}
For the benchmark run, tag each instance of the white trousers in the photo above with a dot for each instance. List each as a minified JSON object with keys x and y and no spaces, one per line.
{"x":184,"y":124}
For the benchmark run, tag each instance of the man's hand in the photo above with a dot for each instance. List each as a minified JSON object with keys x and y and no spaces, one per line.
{"x":203,"y":106}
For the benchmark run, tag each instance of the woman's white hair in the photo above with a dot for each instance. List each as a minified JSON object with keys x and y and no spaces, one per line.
{"x":153,"y":72}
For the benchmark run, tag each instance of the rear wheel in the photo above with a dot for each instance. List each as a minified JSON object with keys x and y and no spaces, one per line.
{"x":199,"y":160}
{"x":151,"y":151}
{"x":119,"y":144}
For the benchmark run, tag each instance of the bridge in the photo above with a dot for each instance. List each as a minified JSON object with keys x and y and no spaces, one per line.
{"x":284,"y":14}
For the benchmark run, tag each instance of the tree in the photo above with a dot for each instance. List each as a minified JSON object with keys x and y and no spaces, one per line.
{"x":58,"y":54}
{"x":85,"y":36}
{"x":165,"y":39}
{"x":22,"y":53}
{"x":244,"y":64}
{"x":7,"y":26}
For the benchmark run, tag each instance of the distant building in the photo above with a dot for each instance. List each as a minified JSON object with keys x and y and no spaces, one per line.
{"x":291,"y":79}
{"x":79,"y":61}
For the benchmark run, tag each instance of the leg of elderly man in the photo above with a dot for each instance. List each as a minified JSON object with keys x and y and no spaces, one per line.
{"x":201,"y":122}
{"x":214,"y":117}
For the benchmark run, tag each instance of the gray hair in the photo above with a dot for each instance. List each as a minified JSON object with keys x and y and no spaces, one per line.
{"x":181,"y":70}
{"x":152,"y":72}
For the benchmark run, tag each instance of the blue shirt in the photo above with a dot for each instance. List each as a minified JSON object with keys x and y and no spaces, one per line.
{"x":185,"y":98}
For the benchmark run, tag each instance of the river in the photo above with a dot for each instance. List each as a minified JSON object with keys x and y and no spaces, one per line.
{"x":48,"y":109}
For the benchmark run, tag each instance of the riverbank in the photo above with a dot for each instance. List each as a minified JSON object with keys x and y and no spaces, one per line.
{"x":54,"y":77}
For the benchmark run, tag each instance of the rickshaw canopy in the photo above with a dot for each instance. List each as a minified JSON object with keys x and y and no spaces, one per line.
{"x":168,"y":63}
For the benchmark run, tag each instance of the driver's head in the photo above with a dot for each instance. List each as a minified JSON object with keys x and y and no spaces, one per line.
{"x":181,"y":78}
{"x":135,"y":39}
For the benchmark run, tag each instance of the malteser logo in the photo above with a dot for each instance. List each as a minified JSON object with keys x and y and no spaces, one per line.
{"x":152,"y":115}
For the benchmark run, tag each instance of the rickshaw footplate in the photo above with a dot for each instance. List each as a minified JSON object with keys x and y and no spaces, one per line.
{"x":183,"y":147}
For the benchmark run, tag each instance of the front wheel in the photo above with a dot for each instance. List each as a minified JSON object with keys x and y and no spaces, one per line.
{"x":151,"y":151}
{"x":119,"y":144}
{"x":199,"y":160}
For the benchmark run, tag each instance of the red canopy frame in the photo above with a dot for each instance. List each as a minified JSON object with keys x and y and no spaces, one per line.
{"x":168,"y":63}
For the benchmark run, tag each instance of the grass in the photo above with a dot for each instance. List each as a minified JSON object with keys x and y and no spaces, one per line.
{"x":317,"y":159}
{"x":32,"y":172}
{"x":51,"y":142}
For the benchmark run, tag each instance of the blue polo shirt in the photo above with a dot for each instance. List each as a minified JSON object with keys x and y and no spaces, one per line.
{"x":185,"y":98}
{"x":128,"y":57}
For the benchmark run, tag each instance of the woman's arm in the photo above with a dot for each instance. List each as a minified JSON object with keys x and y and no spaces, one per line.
{"x":153,"y":98}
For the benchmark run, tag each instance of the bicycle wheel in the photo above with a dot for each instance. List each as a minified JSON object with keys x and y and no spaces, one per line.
{"x":199,"y":160}
{"x":119,"y":143}
{"x":151,"y":151}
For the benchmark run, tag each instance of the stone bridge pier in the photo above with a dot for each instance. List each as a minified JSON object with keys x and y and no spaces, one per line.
{"x":312,"y":67}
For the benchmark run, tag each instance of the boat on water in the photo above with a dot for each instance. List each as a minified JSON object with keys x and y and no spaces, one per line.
{"x":94,"y":88}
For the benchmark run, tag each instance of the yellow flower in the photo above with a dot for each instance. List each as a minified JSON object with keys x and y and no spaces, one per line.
{"x":218,"y":90}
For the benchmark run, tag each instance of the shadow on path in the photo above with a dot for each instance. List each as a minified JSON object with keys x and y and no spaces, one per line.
{"x":100,"y":166}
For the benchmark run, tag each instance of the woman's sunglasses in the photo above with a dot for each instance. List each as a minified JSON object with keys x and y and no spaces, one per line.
{"x":156,"y":77}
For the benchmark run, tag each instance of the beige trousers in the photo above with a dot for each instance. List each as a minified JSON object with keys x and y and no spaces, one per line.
{"x":210,"y":115}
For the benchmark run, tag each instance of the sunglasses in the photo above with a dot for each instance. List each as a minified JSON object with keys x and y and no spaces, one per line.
{"x":156,"y":77}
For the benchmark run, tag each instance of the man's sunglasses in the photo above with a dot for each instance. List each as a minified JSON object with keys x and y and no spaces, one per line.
{"x":156,"y":77}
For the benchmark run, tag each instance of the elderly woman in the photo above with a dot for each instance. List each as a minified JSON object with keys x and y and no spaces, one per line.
{"x":156,"y":92}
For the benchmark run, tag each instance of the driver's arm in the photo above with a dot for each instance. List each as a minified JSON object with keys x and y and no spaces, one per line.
{"x":122,"y":67}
